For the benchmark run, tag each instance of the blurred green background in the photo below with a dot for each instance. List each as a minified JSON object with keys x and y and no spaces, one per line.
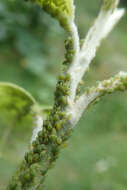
{"x":31,"y":53}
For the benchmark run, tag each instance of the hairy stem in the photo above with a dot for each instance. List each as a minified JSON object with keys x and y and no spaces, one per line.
{"x":116,"y":83}
{"x":67,"y":111}
{"x":50,"y":140}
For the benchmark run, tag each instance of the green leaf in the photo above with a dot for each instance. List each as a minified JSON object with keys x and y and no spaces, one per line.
{"x":16,"y":104}
{"x":14,"y":97}
{"x":63,"y":10}
{"x":17,"y":121}
{"x":17,"y":110}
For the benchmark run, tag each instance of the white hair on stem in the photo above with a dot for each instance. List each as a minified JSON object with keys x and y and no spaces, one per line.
{"x":75,"y":36}
{"x":74,"y":32}
{"x":116,"y":83}
{"x":37,"y":127}
{"x":103,"y":25}
{"x":115,"y":17}
{"x":76,"y":45}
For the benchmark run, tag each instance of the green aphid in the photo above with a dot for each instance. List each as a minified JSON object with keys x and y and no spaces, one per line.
{"x":54,"y":131}
{"x":69,"y":44}
{"x":27,"y":176}
{"x":60,"y":88}
{"x":110,"y":90}
{"x":49,"y":127}
{"x":105,"y":83}
{"x":62,"y":77}
{"x":63,"y":100}
{"x":40,"y":133}
{"x":56,"y":117}
{"x":36,"y":157}
{"x":64,"y":89}
{"x":63,"y":122}
{"x":32,"y":172}
{"x":43,"y":147}
{"x":43,"y":172}
{"x":59,"y":141}
{"x":67,"y":77}
{"x":69,"y":57}
{"x":30,"y":159}
{"x":23,"y":165}
{"x":62,"y":114}
{"x":37,"y":149}
{"x":26,"y":157}
{"x":68,"y":117}
{"x":12,"y":185}
{"x":42,"y":154}
{"x":67,"y":93}
{"x":97,"y":100}
{"x":65,"y":62}
{"x":34,"y":143}
{"x":44,"y":130}
{"x":58,"y":125}
{"x":53,"y":138}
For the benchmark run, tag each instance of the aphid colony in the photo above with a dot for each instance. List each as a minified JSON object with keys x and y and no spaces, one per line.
{"x":54,"y":134}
